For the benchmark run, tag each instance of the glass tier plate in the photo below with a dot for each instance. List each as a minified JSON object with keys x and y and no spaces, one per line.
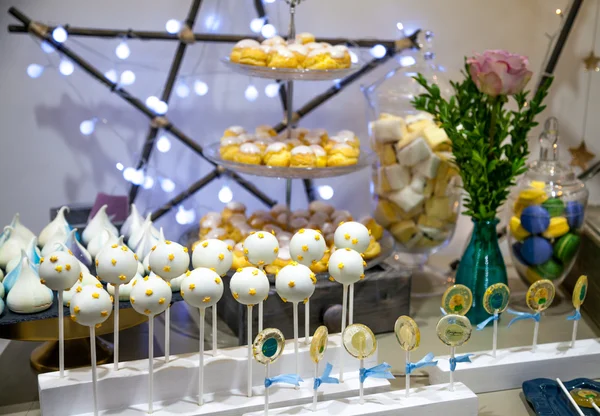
{"x":288,"y":74}
{"x":212,"y":152}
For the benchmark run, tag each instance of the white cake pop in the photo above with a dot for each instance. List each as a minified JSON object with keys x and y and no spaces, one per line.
{"x":59,"y":271}
{"x":352,"y":235}
{"x":307,"y":246}
{"x":150,"y":296}
{"x":168,"y":259}
{"x":202,"y":288}
{"x":295,"y":283}
{"x":261,"y":248}
{"x":249,"y":286}
{"x":124,"y":290}
{"x":100,"y":241}
{"x":91,"y":305}
{"x":346,"y":266}
{"x":85,"y":279}
{"x":213,"y":254}
{"x":116,"y":263}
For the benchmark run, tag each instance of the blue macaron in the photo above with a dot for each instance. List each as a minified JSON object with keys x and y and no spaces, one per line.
{"x":574,"y":213}
{"x":535,"y":219}
{"x":536,"y":250}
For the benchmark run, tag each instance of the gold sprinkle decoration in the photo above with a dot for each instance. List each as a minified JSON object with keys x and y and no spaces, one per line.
{"x":229,"y":247}
{"x":167,"y":242}
{"x":317,"y":237}
{"x":97,"y":262}
{"x":54,"y":259}
{"x":331,"y":279}
{"x":167,"y":269}
{"x":369,"y":231}
{"x":362,"y":276}
{"x":273,"y":232}
{"x":80,"y":275}
{"x":114,"y":246}
{"x":41,"y":260}
{"x":235,"y":295}
{"x":70,"y":252}
{"x":76,"y":309}
{"x":355,"y":241}
{"x":78,"y":289}
{"x":305,"y":248}
{"x":112,"y":299}
{"x":135,"y":256}
{"x":168,"y":283}
{"x":221,"y":256}
{"x":68,"y":266}
{"x":239,"y":270}
{"x":362,"y":255}
{"x":218,"y":280}
{"x":245,"y":250}
{"x":347,"y":249}
{"x":153,"y":248}
{"x":171,"y":256}
{"x":347,"y":236}
{"x":98,"y":325}
{"x":205,"y":244}
{"x":255,"y":272}
{"x":147,"y":311}
{"x":294,"y":263}
{"x":122,"y":277}
{"x":114,"y":262}
{"x":132,"y":299}
{"x":104,"y":313}
{"x":305,"y":301}
{"x":261,"y":235}
{"x":301,"y":231}
{"x":192,"y":286}
{"x":341,"y":223}
{"x":96,"y":295}
{"x":43,"y":281}
{"x":261,"y":262}
{"x":252,"y":292}
{"x":182,"y":292}
{"x":188,"y":273}
{"x":99,"y":285}
{"x":299,"y":256}
{"x":185,"y":250}
{"x":340,"y":265}
{"x":284,"y":300}
{"x":206,"y":299}
{"x":214,"y":269}
{"x":161,"y":301}
{"x":276,"y":250}
{"x":313,"y":278}
{"x":66,"y":290}
{"x":146,"y":278}
{"x":73,"y":318}
{"x":364,"y":263}
{"x":149,"y":292}
{"x":124,"y":248}
{"x":291,"y":283}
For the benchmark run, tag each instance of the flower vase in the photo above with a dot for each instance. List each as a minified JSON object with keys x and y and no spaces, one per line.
{"x":481,"y":266}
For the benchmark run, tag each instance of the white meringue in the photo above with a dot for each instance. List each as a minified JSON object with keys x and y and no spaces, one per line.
{"x":146,"y":242}
{"x":78,"y":250}
{"x":28,"y":295}
{"x":58,"y":225}
{"x":25,"y":233}
{"x":136,"y":235}
{"x":133,"y":222}
{"x":97,"y":224}
{"x":12,"y":246}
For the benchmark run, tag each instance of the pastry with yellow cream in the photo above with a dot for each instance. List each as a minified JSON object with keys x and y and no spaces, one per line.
{"x":262,"y":144}
{"x":236,"y":52}
{"x":282,"y":57}
{"x":320,"y":59}
{"x":230,"y":146}
{"x":303,"y":157}
{"x":300,"y":51}
{"x":342,"y":155}
{"x":304,"y":38}
{"x":373,"y":250}
{"x":255,"y":56}
{"x":249,"y":153}
{"x":265,"y":129}
{"x":321,"y":155}
{"x":234,"y":131}
{"x":274,"y":41}
{"x":277,"y":154}
{"x":311,"y":139}
{"x":341,"y":55}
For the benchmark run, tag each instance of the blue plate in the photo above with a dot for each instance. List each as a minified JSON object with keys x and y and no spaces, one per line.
{"x":547,"y":399}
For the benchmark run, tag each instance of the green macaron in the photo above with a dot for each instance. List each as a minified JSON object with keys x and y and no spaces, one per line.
{"x":550,"y":270}
{"x":566,"y":247}
{"x":554,"y":206}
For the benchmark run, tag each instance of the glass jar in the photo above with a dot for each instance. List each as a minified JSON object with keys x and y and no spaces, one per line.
{"x":415,"y":187}
{"x":546,"y":213}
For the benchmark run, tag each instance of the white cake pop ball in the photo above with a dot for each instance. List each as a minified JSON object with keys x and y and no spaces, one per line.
{"x":202,"y":288}
{"x":150,"y":295}
{"x":124,"y":290}
{"x":295,"y":283}
{"x":91,"y":305}
{"x":261,"y":248}
{"x":352,"y":235}
{"x":169,"y":260}
{"x":307,"y":246}
{"x":249,"y":286}
{"x":346,"y":266}
{"x":59,"y":271}
{"x":85,"y":279}
{"x":116,"y":264}
{"x":213,"y":254}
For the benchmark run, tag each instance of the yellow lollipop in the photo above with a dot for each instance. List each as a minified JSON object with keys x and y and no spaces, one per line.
{"x":457,"y":300}
{"x":495,"y":298}
{"x":318,"y":345}
{"x":268,"y":345}
{"x":540,"y":295}
{"x":407,"y":333}
{"x":359,"y":341}
{"x":585,"y":397}
{"x":579,"y":291}
{"x":454,"y":330}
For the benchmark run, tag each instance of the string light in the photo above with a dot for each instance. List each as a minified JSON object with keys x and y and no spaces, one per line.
{"x":558,"y":12}
{"x":185,"y":216}
{"x":66,"y":67}
{"x":127,"y":77}
{"x":378,"y":51}
{"x":182,"y":90}
{"x":35,"y":70}
{"x":272,"y":89}
{"x":200,"y":87}
{"x":212,"y":22}
{"x":59,"y":34}
{"x":353,"y":57}
{"x":269,"y":1}
{"x":111,"y":74}
{"x":137,"y":177}
{"x":257,"y":24}
{"x":225,"y":194}
{"x":87,"y":127}
{"x":268,"y":31}
{"x":325,"y":192}
{"x":167,"y":185}
{"x":46,"y":47}
{"x":163,"y":144}
{"x":148,"y":182}
{"x":173,"y":26}
{"x":407,"y":61}
{"x":251,"y":93}
{"x":151,"y":101}
{"x":400,"y":26}
{"x":119,"y":166}
{"x":122,"y":50}
{"x":161,"y":107}
{"x":128,"y":173}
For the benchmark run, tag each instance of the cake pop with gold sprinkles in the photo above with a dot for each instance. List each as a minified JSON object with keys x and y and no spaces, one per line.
{"x":91,"y":305}
{"x":202,"y":288}
{"x":346,"y":266}
{"x":169,"y":259}
{"x":59,"y":271}
{"x":295,"y":283}
{"x":151,"y":295}
{"x":352,"y":235}
{"x":213,"y":254}
{"x":261,"y":248}
{"x":249,"y":286}
{"x":307,"y":247}
{"x":116,"y":263}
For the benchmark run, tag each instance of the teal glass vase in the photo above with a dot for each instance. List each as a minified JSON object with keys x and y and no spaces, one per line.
{"x":481,"y":266}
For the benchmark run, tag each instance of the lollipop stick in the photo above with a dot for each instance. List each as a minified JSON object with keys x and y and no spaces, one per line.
{"x":596,"y":408}
{"x":150,"y":364}
{"x":452,"y":372}
{"x":249,"y":350}
{"x":361,"y":399}
{"x":407,"y":374}
{"x":167,"y":334}
{"x":351,"y":305}
{"x":307,"y":322}
{"x":344,"y":307}
{"x":266,"y":390}
{"x":201,"y":363}
{"x":61,"y":335}
{"x":314,"y":406}
{"x":495,"y":336}
{"x":574,"y":336}
{"x":296,"y":337}
{"x":116,"y":329}
{"x":260,"y":316}
{"x":536,"y":329}
{"x":214,"y":330}
{"x":94,"y":376}
{"x":569,"y":397}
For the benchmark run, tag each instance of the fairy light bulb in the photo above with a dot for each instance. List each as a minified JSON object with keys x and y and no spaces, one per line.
{"x":128,"y":173}
{"x":272,"y":89}
{"x":185,"y":216}
{"x":152,"y":101}
{"x":257,"y":24}
{"x":122,"y":50}
{"x":59,"y":34}
{"x":35,"y":70}
{"x":66,"y":67}
{"x":119,"y":166}
{"x":353,"y":57}
{"x":251,"y":93}
{"x":161,"y":107}
{"x":167,"y":185}
{"x":200,"y":88}
{"x":407,"y":61}
{"x":182,"y":90}
{"x":268,"y":31}
{"x":163,"y":144}
{"x":46,"y":47}
{"x":137,"y":177}
{"x":173,"y":26}
{"x":127,"y":77}
{"x":400,"y":26}
{"x":325,"y":192}
{"x":87,"y":127}
{"x":378,"y":51}
{"x":225,"y":194}
{"x":148,"y":182}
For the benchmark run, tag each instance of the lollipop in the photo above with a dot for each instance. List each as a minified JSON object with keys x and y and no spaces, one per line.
{"x":202,"y":288}
{"x":457,"y":300}
{"x":216,"y":255}
{"x":249,"y":286}
{"x":539,"y":297}
{"x":318,"y":346}
{"x":579,"y":292}
{"x":495,"y":301}
{"x":359,"y":341}
{"x":116,"y":264}
{"x":59,"y":273}
{"x":150,"y":296}
{"x":454,"y":331}
{"x":91,"y":306}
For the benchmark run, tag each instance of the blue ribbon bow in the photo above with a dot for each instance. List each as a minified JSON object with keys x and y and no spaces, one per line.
{"x":523,"y":315}
{"x":379,"y":371}
{"x":294,"y":379}
{"x":426,"y":361}
{"x":325,"y":378}
{"x":575,"y":317}
{"x":460,"y":359}
{"x":483,"y":324}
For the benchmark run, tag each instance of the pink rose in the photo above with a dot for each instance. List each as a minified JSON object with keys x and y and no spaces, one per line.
{"x":498,"y":72}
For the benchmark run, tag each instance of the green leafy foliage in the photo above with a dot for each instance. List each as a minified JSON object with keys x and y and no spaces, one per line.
{"x":489,"y":142}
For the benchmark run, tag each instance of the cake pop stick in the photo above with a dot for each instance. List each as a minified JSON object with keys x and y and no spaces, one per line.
{"x":116,"y":264}
{"x":307,"y":322}
{"x":579,"y":292}
{"x":151,"y":364}
{"x":318,"y":346}
{"x":202,"y":288}
{"x":495,"y":301}
{"x":351,"y":305}
{"x":343,"y":327}
{"x":214,"y":330}
{"x":60,"y":272}
{"x":249,"y":331}
{"x":94,"y":371}
{"x":454,"y":331}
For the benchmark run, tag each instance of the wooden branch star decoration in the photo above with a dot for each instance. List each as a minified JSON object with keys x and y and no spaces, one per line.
{"x":591,"y":62}
{"x":580,"y":156}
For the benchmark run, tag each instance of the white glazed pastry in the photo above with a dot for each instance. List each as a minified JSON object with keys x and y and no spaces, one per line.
{"x":99,"y":222}
{"x":85,"y":279}
{"x":59,"y":271}
{"x":116,"y":263}
{"x":213,"y":254}
{"x":12,"y":246}
{"x":352,"y":235}
{"x":261,"y":248}
{"x":249,"y":286}
{"x":133,"y":222}
{"x":99,"y":241}
{"x":23,"y":232}
{"x":346,"y":266}
{"x":91,"y":305}
{"x":150,"y":296}
{"x":58,"y":225}
{"x":295,"y":283}
{"x":124,"y":290}
{"x":307,"y":247}
{"x":28,"y":295}
{"x":169,"y":260}
{"x":202,"y":288}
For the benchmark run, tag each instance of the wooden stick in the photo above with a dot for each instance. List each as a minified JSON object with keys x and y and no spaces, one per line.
{"x":407,"y":374}
{"x":571,"y":399}
{"x":61,"y":334}
{"x":150,"y":363}
{"x":344,"y":307}
{"x":201,"y":363}
{"x":307,"y":322}
{"x":351,"y":305}
{"x":167,"y":333}
{"x":94,"y":374}
{"x":116,"y":328}
{"x":249,"y":382}
{"x":214,"y":330}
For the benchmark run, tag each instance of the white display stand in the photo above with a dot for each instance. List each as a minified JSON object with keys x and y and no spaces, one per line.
{"x":513,"y":366}
{"x":423,"y":401}
{"x":124,"y":392}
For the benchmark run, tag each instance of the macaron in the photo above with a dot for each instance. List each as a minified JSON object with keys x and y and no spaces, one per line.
{"x":566,"y":247}
{"x":517,"y":229}
{"x":574,"y":213}
{"x":535,"y":219}
{"x":527,"y":197}
{"x":536,"y":250}
{"x":558,"y":227}
{"x":516,"y":249}
{"x":554,"y":206}
{"x":549,"y":270}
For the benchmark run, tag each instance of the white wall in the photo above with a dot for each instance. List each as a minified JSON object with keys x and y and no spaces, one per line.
{"x":46,"y":162}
